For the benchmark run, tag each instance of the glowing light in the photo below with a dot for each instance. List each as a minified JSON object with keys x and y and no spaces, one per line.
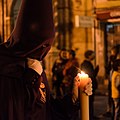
{"x":82,"y":74}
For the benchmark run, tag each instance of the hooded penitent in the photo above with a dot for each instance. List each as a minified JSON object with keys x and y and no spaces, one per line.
{"x":32,"y":37}
{"x":34,"y":30}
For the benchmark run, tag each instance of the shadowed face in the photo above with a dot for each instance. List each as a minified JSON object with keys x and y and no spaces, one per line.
{"x":40,"y":51}
{"x":31,"y":49}
{"x":92,"y":56}
{"x":64,"y":54}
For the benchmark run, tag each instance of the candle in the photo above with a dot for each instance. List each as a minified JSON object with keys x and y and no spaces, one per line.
{"x":84,"y":99}
{"x":83,"y":80}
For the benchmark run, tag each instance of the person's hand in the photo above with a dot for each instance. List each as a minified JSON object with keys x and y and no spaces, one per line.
{"x":35,"y":65}
{"x":88,"y":89}
{"x":84,"y":84}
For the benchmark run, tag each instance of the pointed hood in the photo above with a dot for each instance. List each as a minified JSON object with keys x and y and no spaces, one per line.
{"x":34,"y":30}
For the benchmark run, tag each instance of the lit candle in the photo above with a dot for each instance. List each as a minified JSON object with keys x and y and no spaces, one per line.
{"x":83,"y":80}
{"x":84,"y":99}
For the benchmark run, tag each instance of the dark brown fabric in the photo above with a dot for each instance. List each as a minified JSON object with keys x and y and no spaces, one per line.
{"x":34,"y":30}
{"x":11,"y":86}
{"x":32,"y":37}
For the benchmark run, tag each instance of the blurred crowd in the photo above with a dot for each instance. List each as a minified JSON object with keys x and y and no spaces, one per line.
{"x":67,"y":66}
{"x":113,"y":75}
{"x":65,"y":69}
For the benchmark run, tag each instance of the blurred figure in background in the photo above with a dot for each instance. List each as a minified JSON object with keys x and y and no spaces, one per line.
{"x":109,"y":71}
{"x":115,"y":89}
{"x":88,"y":68}
{"x":57,"y":72}
{"x":69,"y":72}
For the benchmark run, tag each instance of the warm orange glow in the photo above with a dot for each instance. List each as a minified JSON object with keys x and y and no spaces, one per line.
{"x":82,"y":75}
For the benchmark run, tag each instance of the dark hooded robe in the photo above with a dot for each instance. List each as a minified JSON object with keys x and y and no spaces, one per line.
{"x":32,"y":37}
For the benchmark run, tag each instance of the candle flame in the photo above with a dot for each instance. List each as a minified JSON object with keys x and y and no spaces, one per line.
{"x":82,"y":74}
{"x":79,"y":74}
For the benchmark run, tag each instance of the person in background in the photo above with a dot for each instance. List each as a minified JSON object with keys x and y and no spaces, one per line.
{"x":88,"y":68}
{"x":115,"y":89}
{"x":69,"y":72}
{"x":57,"y":71}
{"x":109,"y":70}
{"x":24,"y":89}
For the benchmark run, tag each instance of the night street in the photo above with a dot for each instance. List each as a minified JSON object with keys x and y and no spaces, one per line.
{"x":100,"y":106}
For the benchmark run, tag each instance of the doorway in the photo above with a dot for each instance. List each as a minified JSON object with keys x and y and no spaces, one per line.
{"x":111,"y":38}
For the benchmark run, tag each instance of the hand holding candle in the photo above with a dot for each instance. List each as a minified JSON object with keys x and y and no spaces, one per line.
{"x":83,"y":87}
{"x":84,"y":83}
